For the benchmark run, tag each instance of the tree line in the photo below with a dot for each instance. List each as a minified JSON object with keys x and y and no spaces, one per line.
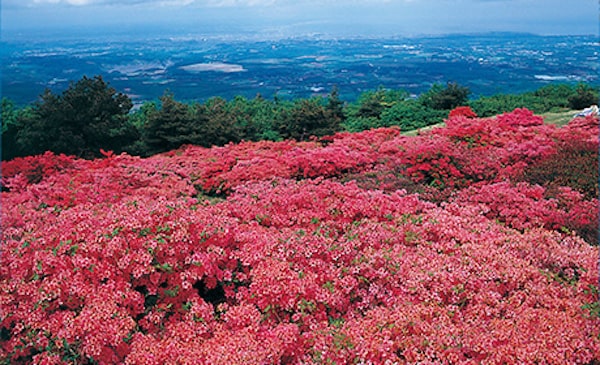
{"x":90,"y":115}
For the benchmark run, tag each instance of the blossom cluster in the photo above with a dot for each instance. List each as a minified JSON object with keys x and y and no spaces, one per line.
{"x":366,"y":248}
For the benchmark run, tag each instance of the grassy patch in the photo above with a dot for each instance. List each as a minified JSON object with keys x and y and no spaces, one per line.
{"x":559,"y":118}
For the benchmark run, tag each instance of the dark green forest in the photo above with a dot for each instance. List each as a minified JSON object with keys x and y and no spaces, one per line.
{"x":90,"y":115}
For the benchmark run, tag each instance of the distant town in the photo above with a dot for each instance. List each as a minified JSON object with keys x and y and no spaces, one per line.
{"x":196,"y":68}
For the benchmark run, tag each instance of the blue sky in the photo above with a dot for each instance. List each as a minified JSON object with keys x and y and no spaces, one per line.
{"x":298,"y":17}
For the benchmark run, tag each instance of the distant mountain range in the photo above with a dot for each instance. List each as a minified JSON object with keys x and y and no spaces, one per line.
{"x":199,"y":67}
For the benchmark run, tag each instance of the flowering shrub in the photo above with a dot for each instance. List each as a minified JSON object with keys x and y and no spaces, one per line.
{"x":33,"y":169}
{"x":336,"y":251}
{"x":523,"y":207}
{"x":462,"y":111}
{"x":575,"y":161}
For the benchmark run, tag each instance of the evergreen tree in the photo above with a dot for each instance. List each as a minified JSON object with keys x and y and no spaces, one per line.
{"x":371,"y":105}
{"x":241,"y":110}
{"x":335,"y":109}
{"x":306,"y":118}
{"x":410,"y":115}
{"x":10,"y":126}
{"x":266,"y":116}
{"x":219,"y":127}
{"x":170,"y":126}
{"x":584,"y":97}
{"x":85,"y":118}
{"x":446,"y":98}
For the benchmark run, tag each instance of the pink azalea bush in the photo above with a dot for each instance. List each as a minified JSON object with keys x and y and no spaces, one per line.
{"x":462,"y":111}
{"x":367,"y":248}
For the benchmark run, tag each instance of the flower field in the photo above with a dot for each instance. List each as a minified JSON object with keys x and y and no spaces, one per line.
{"x":475,"y":243}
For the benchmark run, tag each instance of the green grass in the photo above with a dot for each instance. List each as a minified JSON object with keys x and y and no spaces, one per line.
{"x":416,"y":132}
{"x":559,"y":118}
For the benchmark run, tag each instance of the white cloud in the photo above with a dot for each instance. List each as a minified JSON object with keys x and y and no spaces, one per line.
{"x":206,"y":3}
{"x":34,"y":3}
{"x":69,"y":2}
{"x":175,"y":2}
{"x":399,"y":16}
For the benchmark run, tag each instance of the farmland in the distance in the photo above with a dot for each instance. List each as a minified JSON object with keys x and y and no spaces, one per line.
{"x":197,"y":67}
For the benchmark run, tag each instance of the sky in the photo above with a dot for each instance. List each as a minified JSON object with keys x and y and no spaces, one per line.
{"x":302,"y":17}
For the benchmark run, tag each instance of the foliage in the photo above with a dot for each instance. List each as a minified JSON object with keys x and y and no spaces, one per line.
{"x":257,"y":119}
{"x":125,"y":260}
{"x":9,"y":119}
{"x":86,"y":117}
{"x":551,"y":98}
{"x":410,"y":115}
{"x":445,"y":98}
{"x":372,"y":103}
{"x":309,"y":117}
{"x":219,"y":127}
{"x":386,"y":108}
{"x":488,"y":106}
{"x":554,"y":96}
{"x":335,"y":109}
{"x":154,"y":127}
{"x":171,"y":126}
{"x":583,"y":97}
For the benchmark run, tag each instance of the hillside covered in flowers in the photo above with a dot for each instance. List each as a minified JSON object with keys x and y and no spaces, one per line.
{"x":466,"y":244}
